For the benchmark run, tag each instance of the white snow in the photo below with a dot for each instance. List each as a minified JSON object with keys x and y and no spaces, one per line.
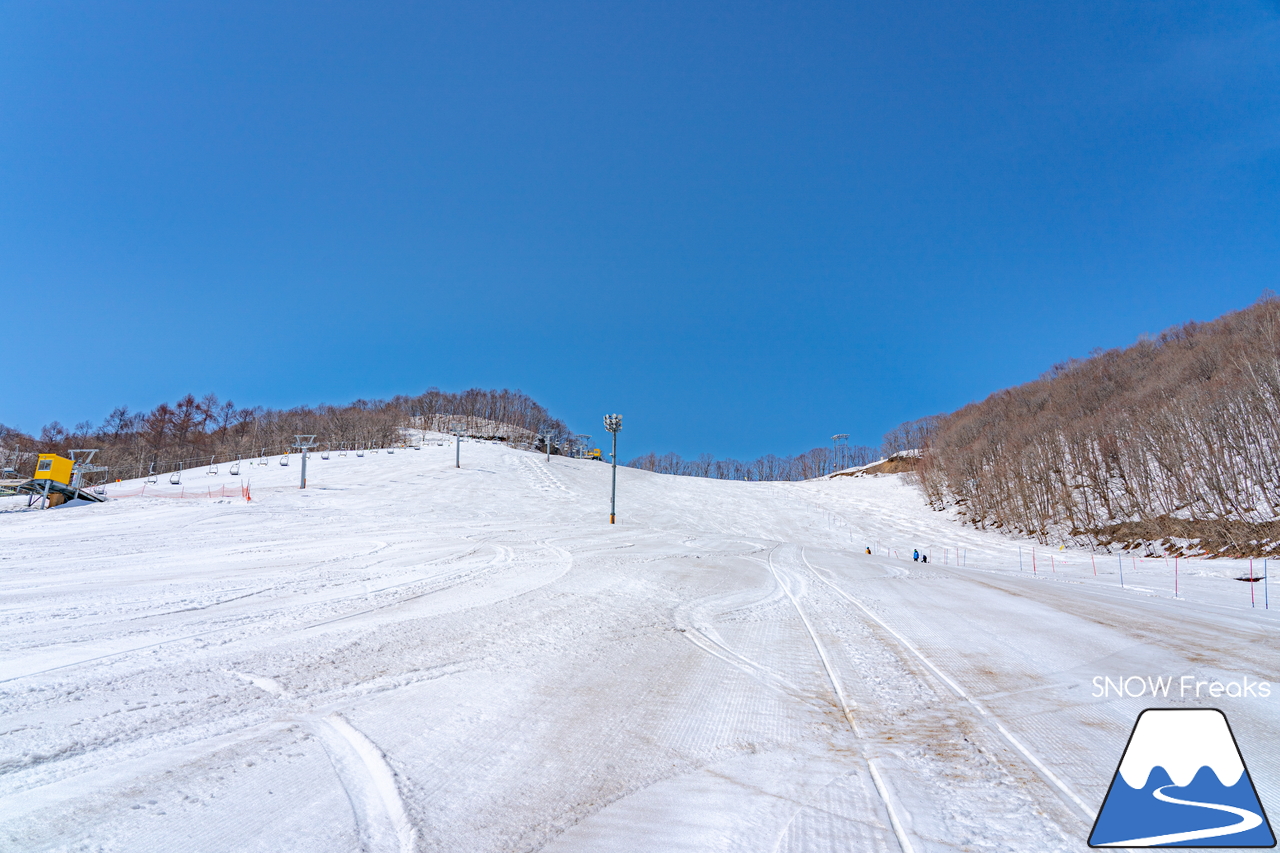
{"x":410,"y":656}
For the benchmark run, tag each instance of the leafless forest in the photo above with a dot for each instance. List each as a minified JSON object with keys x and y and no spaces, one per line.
{"x":812,"y":463}
{"x":1172,"y":444}
{"x":193,"y":431}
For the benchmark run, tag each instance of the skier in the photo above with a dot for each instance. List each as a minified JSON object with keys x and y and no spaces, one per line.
{"x":868,"y":550}
{"x":915,"y":555}
{"x":924,"y":558}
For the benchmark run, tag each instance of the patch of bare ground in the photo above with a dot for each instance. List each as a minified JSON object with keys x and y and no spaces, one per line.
{"x":896,"y":464}
{"x":1180,"y":536}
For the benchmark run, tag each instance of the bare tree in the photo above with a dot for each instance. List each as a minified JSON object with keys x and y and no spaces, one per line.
{"x":1172,"y":439}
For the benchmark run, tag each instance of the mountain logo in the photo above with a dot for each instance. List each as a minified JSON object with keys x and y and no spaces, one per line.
{"x":1182,"y":783}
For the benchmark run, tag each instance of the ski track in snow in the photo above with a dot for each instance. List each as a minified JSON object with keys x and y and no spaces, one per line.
{"x":371,"y":782}
{"x":1071,"y":795}
{"x":408,"y":656}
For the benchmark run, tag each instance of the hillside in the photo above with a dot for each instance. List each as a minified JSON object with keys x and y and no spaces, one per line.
{"x":1170,"y":446}
{"x":408,"y":656}
{"x":193,"y":432}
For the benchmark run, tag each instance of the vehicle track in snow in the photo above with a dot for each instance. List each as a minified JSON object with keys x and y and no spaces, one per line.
{"x":436,"y":585}
{"x":697,"y":620}
{"x":123,"y":745}
{"x":786,"y":582}
{"x":1072,"y":798}
{"x":371,"y":787}
{"x":853,"y":795}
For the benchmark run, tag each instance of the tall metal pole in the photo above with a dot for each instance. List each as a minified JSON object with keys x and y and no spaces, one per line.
{"x":613,"y":423}
{"x":613,"y":494}
{"x":304,"y":443}
{"x":457,"y":448}
{"x":837,"y":442}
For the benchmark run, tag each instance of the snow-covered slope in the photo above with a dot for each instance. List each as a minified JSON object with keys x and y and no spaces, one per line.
{"x":409,"y":656}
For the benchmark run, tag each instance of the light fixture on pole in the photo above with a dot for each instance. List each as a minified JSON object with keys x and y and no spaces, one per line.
{"x":613,"y":423}
{"x":841,"y":442}
{"x":304,"y":443}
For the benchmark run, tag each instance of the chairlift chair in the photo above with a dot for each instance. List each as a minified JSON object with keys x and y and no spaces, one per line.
{"x":360,"y":452}
{"x":175,"y":479}
{"x":213,"y":469}
{"x":152,"y":476}
{"x":324,"y":454}
{"x":284,"y":460}
{"x":235,"y":468}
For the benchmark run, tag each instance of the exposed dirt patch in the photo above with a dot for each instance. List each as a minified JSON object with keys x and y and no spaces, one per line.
{"x":893,"y":465}
{"x":1177,"y":536}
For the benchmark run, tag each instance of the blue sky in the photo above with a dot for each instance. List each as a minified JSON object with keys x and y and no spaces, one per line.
{"x":745,"y":226}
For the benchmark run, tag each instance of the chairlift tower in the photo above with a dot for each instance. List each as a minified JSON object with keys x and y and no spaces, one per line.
{"x":304,"y":443}
{"x":841,"y":448}
{"x":83,"y":465}
{"x":613,"y":423}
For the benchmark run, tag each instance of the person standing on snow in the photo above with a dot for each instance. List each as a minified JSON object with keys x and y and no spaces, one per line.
{"x":915,"y":555}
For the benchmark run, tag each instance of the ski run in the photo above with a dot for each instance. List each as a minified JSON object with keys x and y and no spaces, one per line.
{"x":407,"y":656}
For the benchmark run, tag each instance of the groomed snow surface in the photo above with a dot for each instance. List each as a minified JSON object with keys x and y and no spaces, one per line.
{"x":411,"y":657}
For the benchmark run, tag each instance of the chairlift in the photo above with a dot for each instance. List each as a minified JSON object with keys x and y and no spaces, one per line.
{"x":213,"y":469}
{"x":152,"y":476}
{"x":284,"y":460}
{"x":342,"y":451}
{"x":360,"y":451}
{"x":391,"y":450}
{"x":99,"y":490}
{"x":175,"y":479}
{"x":235,"y":468}
{"x":324,"y":454}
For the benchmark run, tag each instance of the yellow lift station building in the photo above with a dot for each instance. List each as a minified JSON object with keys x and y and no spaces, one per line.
{"x":51,"y":466}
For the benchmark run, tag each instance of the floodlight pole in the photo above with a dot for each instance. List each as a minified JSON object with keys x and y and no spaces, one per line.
{"x":838,"y":441}
{"x":457,"y":445}
{"x":304,"y":443}
{"x":613,"y":423}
